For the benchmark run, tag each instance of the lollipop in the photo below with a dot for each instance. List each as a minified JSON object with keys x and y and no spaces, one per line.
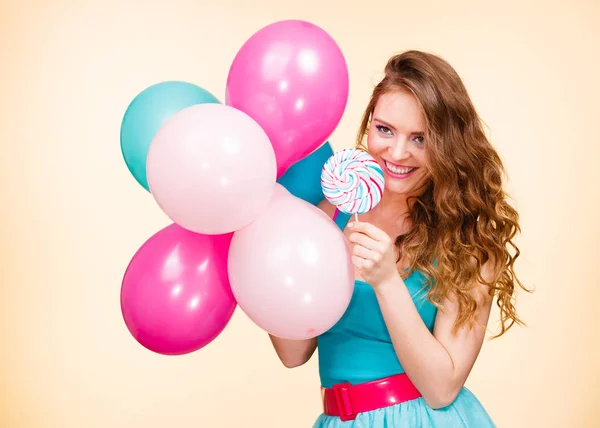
{"x":352,"y":181}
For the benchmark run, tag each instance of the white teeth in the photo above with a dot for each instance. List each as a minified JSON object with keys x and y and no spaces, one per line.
{"x":397,"y":170}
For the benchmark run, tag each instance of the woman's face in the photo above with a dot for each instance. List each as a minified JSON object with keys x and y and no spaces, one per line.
{"x":396,"y":141}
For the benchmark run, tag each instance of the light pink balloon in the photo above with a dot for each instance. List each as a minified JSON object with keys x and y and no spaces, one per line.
{"x":290,"y":270}
{"x":292,"y":78}
{"x":211,"y":168}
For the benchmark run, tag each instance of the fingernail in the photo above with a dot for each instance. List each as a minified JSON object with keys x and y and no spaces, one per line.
{"x":351,"y":224}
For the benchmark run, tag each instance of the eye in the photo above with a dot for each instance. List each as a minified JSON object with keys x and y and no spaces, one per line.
{"x":384,"y":130}
{"x":419,"y":140}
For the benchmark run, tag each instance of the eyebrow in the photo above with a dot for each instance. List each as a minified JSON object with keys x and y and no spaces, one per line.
{"x":383,"y":122}
{"x":389,"y":125}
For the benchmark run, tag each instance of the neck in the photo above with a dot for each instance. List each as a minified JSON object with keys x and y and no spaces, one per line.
{"x":392,"y":212}
{"x":389,"y":211}
{"x":391,"y":205}
{"x":394,"y":205}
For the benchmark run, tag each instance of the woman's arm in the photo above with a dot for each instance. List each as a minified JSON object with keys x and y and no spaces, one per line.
{"x":294,"y":353}
{"x":438,"y":364}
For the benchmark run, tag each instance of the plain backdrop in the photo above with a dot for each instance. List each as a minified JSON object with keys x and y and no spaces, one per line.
{"x":72,"y":216}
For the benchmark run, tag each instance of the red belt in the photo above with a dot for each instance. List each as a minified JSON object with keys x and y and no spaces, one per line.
{"x":346,"y":400}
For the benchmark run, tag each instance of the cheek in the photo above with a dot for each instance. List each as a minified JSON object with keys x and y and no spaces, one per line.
{"x":375,"y":144}
{"x":425,"y":174}
{"x":419,"y":156}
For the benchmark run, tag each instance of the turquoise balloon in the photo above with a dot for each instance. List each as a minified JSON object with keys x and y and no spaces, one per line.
{"x":303,"y":179}
{"x":148,"y":111}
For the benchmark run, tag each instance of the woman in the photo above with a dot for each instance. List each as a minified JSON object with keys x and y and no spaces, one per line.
{"x":428,"y":261}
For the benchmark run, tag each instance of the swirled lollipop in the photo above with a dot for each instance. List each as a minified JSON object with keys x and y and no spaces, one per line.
{"x":352,"y":181}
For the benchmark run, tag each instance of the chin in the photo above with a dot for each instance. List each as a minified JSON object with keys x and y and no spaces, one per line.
{"x":404,"y":187}
{"x":399,"y":188}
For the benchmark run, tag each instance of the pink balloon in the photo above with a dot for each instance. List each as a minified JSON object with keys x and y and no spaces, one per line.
{"x":175,"y":295}
{"x":211,"y":168}
{"x":292,"y":78}
{"x":290,"y":270}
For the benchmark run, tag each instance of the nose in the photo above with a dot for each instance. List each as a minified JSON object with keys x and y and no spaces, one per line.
{"x":399,"y":150}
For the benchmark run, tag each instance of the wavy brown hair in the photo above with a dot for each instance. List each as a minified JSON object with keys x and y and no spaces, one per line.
{"x":463,"y":218}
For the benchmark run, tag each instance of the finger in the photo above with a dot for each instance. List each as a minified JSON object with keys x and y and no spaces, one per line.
{"x":366,"y":253}
{"x":369,"y":229}
{"x":366,"y":241}
{"x":361,"y":263}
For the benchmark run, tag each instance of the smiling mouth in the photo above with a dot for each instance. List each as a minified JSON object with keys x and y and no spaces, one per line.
{"x":398,"y":170}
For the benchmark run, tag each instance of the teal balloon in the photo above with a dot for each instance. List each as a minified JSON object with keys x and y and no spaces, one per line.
{"x":146,"y":114}
{"x":303,"y":179}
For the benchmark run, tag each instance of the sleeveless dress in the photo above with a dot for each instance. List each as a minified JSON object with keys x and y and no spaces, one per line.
{"x":359,"y":349}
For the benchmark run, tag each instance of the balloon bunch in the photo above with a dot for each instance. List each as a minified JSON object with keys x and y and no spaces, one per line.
{"x":240,"y":181}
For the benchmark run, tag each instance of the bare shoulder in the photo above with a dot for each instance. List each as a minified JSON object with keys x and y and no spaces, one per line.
{"x":327,"y":207}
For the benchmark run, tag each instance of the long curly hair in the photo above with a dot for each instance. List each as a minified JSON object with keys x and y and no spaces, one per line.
{"x":463,"y":217}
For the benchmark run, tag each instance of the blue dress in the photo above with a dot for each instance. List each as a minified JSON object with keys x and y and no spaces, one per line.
{"x":359,"y":349}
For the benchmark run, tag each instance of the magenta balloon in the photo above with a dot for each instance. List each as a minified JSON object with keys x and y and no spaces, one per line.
{"x":290,"y":270}
{"x":175,"y":295}
{"x":292,"y":78}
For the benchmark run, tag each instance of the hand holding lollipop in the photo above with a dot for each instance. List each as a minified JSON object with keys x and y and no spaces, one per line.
{"x":353,"y":181}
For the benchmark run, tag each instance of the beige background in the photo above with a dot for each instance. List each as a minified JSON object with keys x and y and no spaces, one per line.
{"x":72,"y":215}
